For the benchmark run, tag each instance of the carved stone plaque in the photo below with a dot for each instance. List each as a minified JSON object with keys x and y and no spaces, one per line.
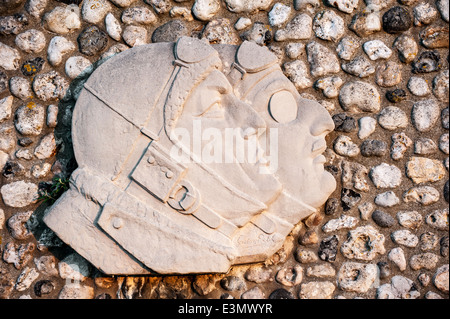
{"x":192,"y":158}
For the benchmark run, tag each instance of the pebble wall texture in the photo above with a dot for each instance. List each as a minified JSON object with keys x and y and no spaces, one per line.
{"x":380,"y":67}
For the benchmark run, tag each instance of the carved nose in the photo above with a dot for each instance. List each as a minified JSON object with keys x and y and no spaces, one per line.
{"x":316,"y":116}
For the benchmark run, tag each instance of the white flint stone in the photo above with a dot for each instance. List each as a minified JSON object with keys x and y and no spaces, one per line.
{"x":363,"y":243}
{"x":205,"y":10}
{"x":359,"y":66}
{"x":330,"y":86}
{"x":58,"y":47}
{"x":76,"y":291}
{"x":294,"y":50}
{"x":397,"y":256}
{"x":39,"y":171}
{"x":410,"y":219}
{"x":138,"y":15}
{"x":347,"y":47}
{"x":31,"y":41}
{"x":418,"y":86}
{"x":321,"y":59}
{"x":46,"y":147}
{"x":386,"y":176}
{"x":365,"y":23}
{"x":63,"y":20}
{"x":321,"y":271}
{"x":441,"y":86}
{"x":443,"y":7}
{"x":405,"y":237}
{"x":182,"y":12}
{"x":365,"y":210}
{"x":343,"y":145}
{"x":399,"y":288}
{"x":376,"y":49}
{"x":242,"y":23}
{"x":94,"y":11}
{"x":317,"y":290}
{"x":367,"y":126}
{"x":343,"y":222}
{"x":392,"y":118}
{"x":359,"y":96}
{"x":26,"y":279}
{"x":425,"y":146}
{"x":29,"y":119}
{"x":438,"y":219}
{"x":19,"y":194}
{"x":20,"y":87}
{"x":135,"y":35}
{"x":407,"y":48}
{"x":50,"y":86}
{"x":24,"y":154}
{"x":387,"y":199}
{"x":425,"y":115}
{"x":9,"y":57}
{"x":424,"y":13}
{"x":425,"y":195}
{"x":6,"y":107}
{"x":36,"y":7}
{"x":299,"y":28}
{"x":444,"y":143}
{"x":400,"y":143}
{"x":426,"y":261}
{"x":8,"y":140}
{"x":74,"y":267}
{"x":78,"y":66}
{"x":279,"y":14}
{"x":113,"y":27}
{"x":123,"y":3}
{"x":378,"y":5}
{"x":357,"y":277}
{"x":249,"y":6}
{"x":441,"y":277}
{"x":297,"y":72}
{"x":327,"y":25}
{"x":346,"y":6}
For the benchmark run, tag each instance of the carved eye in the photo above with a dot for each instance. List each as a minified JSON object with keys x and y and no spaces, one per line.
{"x":283,"y":107}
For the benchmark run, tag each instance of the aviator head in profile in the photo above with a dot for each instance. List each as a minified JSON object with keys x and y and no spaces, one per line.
{"x":192,"y":158}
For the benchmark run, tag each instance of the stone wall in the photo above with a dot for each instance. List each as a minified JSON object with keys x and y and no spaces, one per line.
{"x":384,"y":231}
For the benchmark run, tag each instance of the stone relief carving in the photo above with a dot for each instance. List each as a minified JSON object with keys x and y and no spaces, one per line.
{"x":150,"y":197}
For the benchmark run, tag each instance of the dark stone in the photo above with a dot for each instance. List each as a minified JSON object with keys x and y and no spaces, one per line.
{"x":232,"y":283}
{"x":446,"y":191}
{"x":344,"y":123}
{"x":13,"y":24}
{"x":12,"y":169}
{"x":383,"y":219}
{"x":331,"y":206}
{"x":444,"y":246}
{"x":385,"y":269}
{"x":396,"y":96}
{"x":43,"y":287}
{"x":7,"y":6}
{"x":332,"y":169}
{"x":445,"y":118}
{"x":328,"y":248}
{"x":396,"y":20}
{"x":3,"y":82}
{"x":281,"y":294}
{"x":70,"y":1}
{"x":170,"y":31}
{"x":374,"y":148}
{"x":349,"y":198}
{"x":104,"y":296}
{"x":92,"y":40}
{"x":25,"y":141}
{"x":428,"y":61}
{"x":32,"y":66}
{"x":6,"y":287}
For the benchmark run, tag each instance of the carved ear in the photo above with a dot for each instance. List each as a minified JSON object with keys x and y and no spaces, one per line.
{"x":254,"y":58}
{"x":191,"y":50}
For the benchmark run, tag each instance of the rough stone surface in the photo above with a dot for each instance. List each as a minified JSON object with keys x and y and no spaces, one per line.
{"x":359,"y":96}
{"x":363,"y":243}
{"x":357,"y":277}
{"x":386,"y":176}
{"x":19,"y":194}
